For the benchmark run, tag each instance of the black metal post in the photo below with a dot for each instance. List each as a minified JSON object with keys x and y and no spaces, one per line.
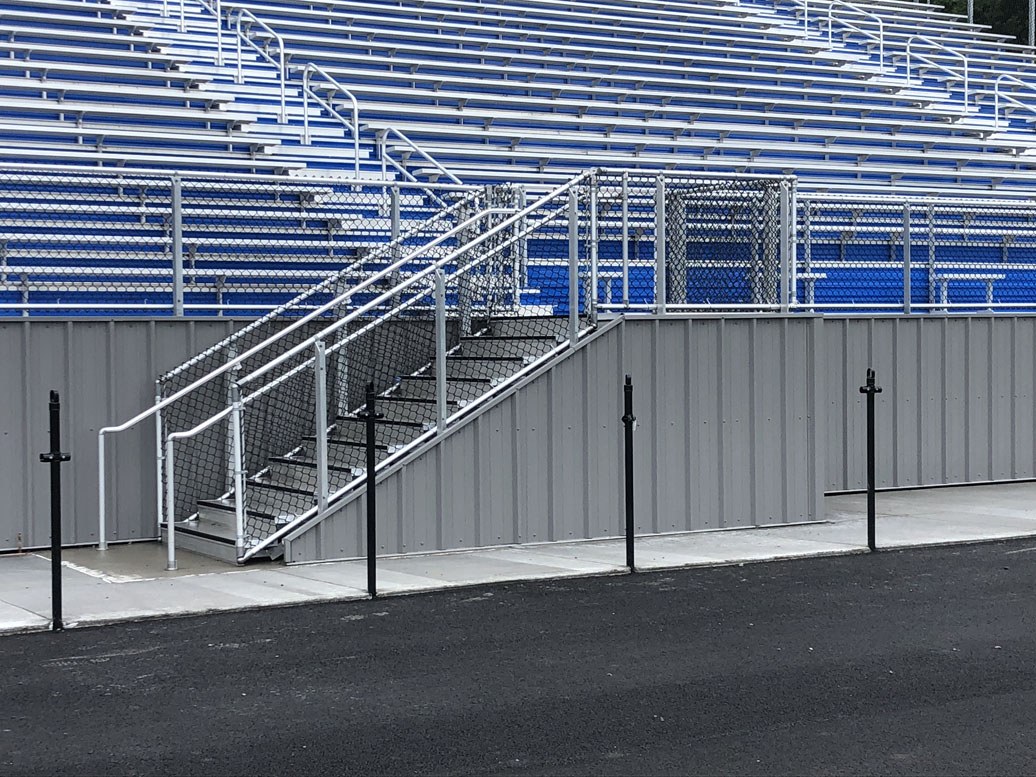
{"x":870,"y":389}
{"x":629,"y":421}
{"x":371,"y":416}
{"x":55,"y":458}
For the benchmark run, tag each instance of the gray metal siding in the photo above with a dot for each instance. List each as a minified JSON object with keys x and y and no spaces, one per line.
{"x":726,"y":415}
{"x":105,"y":372}
{"x":957,"y":405}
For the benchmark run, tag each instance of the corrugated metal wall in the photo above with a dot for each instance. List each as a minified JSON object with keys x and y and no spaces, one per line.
{"x":105,"y":372}
{"x":726,"y":437}
{"x":957,"y":405}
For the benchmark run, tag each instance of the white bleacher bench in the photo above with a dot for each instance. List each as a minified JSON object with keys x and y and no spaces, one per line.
{"x":943,"y":281}
{"x":809,"y":281}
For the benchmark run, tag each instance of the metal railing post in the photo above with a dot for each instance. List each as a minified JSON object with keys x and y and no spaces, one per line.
{"x":625,"y":238}
{"x":177,"y":230}
{"x":102,"y":518}
{"x":236,"y":427}
{"x":573,"y":266}
{"x":931,"y":257}
{"x":320,"y":377}
{"x":159,"y":465}
{"x":660,"y":246}
{"x":785,"y":245}
{"x":170,"y":509}
{"x":906,"y":258}
{"x":218,"y":5}
{"x":591,"y":298}
{"x":440,"y":351}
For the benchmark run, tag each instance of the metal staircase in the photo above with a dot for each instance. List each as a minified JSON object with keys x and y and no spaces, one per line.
{"x":288,"y":485}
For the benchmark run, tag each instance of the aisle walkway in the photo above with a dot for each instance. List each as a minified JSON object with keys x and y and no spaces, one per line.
{"x":129,"y":582}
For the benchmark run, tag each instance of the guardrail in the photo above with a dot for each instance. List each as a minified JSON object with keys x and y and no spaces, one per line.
{"x":879,"y":38}
{"x":243,"y":36}
{"x":912,"y":55}
{"x":327,"y":105}
{"x":999,"y":96}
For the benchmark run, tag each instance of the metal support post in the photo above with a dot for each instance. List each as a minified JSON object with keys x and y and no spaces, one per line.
{"x":394,"y":216}
{"x":906,"y":258}
{"x":785,"y":246}
{"x":440,"y":351}
{"x":55,"y":458}
{"x":102,"y":517}
{"x":177,"y":230}
{"x":660,"y":247}
{"x":971,"y":11}
{"x":159,"y":466}
{"x":371,"y":416}
{"x":591,"y":297}
{"x":320,"y":377}
{"x":625,"y":238}
{"x":931,"y":257}
{"x":630,"y":422}
{"x":170,"y":507}
{"x":573,"y":266}
{"x":1032,"y":23}
{"x":238,"y":466}
{"x":870,"y":389}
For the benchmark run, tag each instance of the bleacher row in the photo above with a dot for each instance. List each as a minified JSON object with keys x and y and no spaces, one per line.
{"x":488,"y":91}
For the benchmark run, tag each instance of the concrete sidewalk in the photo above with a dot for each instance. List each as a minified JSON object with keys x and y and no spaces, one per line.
{"x":129,"y":582}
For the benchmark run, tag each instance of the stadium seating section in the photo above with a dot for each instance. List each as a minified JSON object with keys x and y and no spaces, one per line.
{"x":895,"y":96}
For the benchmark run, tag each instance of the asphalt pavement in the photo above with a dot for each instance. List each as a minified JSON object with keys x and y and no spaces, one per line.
{"x":902,"y":662}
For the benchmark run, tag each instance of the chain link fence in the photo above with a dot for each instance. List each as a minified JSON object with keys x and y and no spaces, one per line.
{"x":870,"y":254}
{"x":140,"y":245}
{"x":694,"y":242}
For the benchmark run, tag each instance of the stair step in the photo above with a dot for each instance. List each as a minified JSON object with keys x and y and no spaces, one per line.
{"x":302,"y":473}
{"x":529,"y":326}
{"x":342,"y":454}
{"x":207,"y":538}
{"x":488,"y":368}
{"x":391,"y":433}
{"x":458,"y":391}
{"x":506,"y":345}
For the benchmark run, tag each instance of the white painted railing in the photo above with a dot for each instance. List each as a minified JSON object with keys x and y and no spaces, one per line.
{"x":334,"y":87}
{"x":879,"y":38}
{"x":912,"y":57}
{"x":999,"y":95}
{"x":244,"y":36}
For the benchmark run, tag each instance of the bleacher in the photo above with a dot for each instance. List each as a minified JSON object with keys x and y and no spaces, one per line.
{"x":485,"y":92}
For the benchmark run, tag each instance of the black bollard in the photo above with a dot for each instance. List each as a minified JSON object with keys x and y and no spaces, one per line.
{"x":55,"y":458}
{"x":870,"y":389}
{"x":630,"y":422}
{"x":370,"y":415}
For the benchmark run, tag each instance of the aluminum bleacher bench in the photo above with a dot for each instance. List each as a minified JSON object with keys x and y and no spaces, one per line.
{"x":943,"y":280}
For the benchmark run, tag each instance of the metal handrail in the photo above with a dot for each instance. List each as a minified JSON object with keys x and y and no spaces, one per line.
{"x":279,"y":63}
{"x":527,"y":228}
{"x":910,"y":54}
{"x":308,"y":92}
{"x":997,"y":97}
{"x":216,"y":9}
{"x":880,"y":37}
{"x":422,"y":153}
{"x":229,"y":365}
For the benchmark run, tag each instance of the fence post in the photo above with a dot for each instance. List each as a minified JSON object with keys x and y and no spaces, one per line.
{"x":573,"y":266}
{"x":320,"y":378}
{"x":870,"y":389}
{"x":55,"y":458}
{"x":630,"y":422}
{"x":177,"y":230}
{"x":660,"y":247}
{"x":370,"y":415}
{"x":591,"y":297}
{"x":625,"y":238}
{"x":440,"y":350}
{"x":906,"y":258}
{"x":785,"y":246}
